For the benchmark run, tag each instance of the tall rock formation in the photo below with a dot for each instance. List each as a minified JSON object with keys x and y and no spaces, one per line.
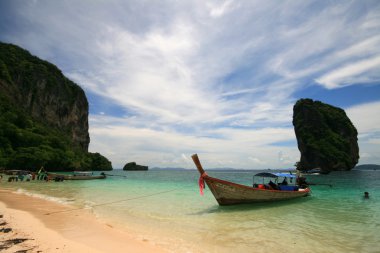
{"x":43,"y":117}
{"x":326,"y":137}
{"x":44,"y":92}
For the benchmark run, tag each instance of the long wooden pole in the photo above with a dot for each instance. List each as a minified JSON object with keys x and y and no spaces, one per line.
{"x":198,"y":163}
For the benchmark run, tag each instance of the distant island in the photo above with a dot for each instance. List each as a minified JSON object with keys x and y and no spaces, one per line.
{"x":367,"y":167}
{"x":134,"y":166}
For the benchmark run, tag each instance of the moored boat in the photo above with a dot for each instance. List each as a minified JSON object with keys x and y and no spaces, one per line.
{"x":316,"y":171}
{"x":229,"y":193}
{"x":16,"y":172}
{"x":78,"y":175}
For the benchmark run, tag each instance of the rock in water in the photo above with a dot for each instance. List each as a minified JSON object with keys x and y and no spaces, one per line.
{"x":326,"y":137}
{"x":134,"y":166}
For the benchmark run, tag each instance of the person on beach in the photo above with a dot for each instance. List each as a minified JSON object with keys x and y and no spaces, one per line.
{"x":12,"y":179}
{"x":42,"y":174}
{"x":28,"y":177}
{"x":20,"y":176}
{"x":366,"y":195}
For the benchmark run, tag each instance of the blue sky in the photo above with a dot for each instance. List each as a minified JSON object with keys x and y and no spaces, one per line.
{"x":166,"y":79}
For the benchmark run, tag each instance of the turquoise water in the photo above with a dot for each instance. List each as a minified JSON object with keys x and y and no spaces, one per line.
{"x":165,"y":207}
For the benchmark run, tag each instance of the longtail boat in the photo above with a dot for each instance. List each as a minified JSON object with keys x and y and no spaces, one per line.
{"x":78,"y":175}
{"x":228,"y":193}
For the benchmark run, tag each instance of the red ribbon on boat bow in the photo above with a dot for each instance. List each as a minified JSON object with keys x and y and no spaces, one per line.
{"x":201,"y":183}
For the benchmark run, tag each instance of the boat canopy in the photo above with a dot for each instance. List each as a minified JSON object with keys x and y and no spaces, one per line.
{"x":265,"y":174}
{"x":281,"y":174}
{"x":275,"y":175}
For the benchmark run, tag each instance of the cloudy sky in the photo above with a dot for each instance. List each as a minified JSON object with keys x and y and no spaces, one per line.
{"x":166,"y":79}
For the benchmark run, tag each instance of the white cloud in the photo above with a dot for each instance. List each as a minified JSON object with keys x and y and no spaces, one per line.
{"x":216,"y":77}
{"x":364,"y":71}
{"x":365,"y":48}
{"x":256,"y":160}
{"x":365,"y":117}
{"x":122,"y":142}
{"x":220,"y":9}
{"x":366,"y":120}
{"x":375,"y":141}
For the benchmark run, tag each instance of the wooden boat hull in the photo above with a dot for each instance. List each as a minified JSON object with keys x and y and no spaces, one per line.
{"x":84,"y":177}
{"x":16,"y":172}
{"x":228,"y":193}
{"x":76,"y":177}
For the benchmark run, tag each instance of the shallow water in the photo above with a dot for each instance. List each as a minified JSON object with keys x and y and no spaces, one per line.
{"x":165,"y":207}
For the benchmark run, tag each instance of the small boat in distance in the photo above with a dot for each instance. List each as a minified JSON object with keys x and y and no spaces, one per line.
{"x":16,"y":172}
{"x":77,"y":175}
{"x":316,"y":171}
{"x":228,"y":193}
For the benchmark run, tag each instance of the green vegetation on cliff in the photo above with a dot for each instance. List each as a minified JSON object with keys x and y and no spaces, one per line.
{"x":41,"y":123}
{"x":326,"y":137}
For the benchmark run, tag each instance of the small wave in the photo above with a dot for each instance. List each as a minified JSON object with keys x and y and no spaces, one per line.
{"x":64,"y":201}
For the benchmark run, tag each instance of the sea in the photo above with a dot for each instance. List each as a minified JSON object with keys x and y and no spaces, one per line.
{"x":165,"y":208}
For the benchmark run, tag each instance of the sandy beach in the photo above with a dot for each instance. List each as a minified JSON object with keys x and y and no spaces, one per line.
{"x":30,"y":224}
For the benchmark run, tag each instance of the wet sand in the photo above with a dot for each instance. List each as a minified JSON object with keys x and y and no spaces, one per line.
{"x":30,"y":224}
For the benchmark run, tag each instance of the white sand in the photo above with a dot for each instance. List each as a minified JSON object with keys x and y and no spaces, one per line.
{"x":76,"y":231}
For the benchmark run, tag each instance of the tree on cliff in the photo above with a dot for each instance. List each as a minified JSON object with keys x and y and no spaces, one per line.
{"x":326,"y":137}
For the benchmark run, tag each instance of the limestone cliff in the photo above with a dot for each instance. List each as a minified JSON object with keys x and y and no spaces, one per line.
{"x":43,"y":117}
{"x":326,"y":137}
{"x":44,"y":92}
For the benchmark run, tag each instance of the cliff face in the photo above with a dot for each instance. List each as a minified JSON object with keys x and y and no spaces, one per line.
{"x":326,"y":137}
{"x":44,"y":93}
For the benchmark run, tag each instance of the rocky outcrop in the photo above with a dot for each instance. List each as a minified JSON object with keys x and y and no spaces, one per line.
{"x":43,"y":117}
{"x":44,"y":92}
{"x":326,"y":137}
{"x":134,"y":166}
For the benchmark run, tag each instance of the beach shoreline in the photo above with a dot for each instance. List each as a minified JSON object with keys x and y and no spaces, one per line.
{"x":47,"y":227}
